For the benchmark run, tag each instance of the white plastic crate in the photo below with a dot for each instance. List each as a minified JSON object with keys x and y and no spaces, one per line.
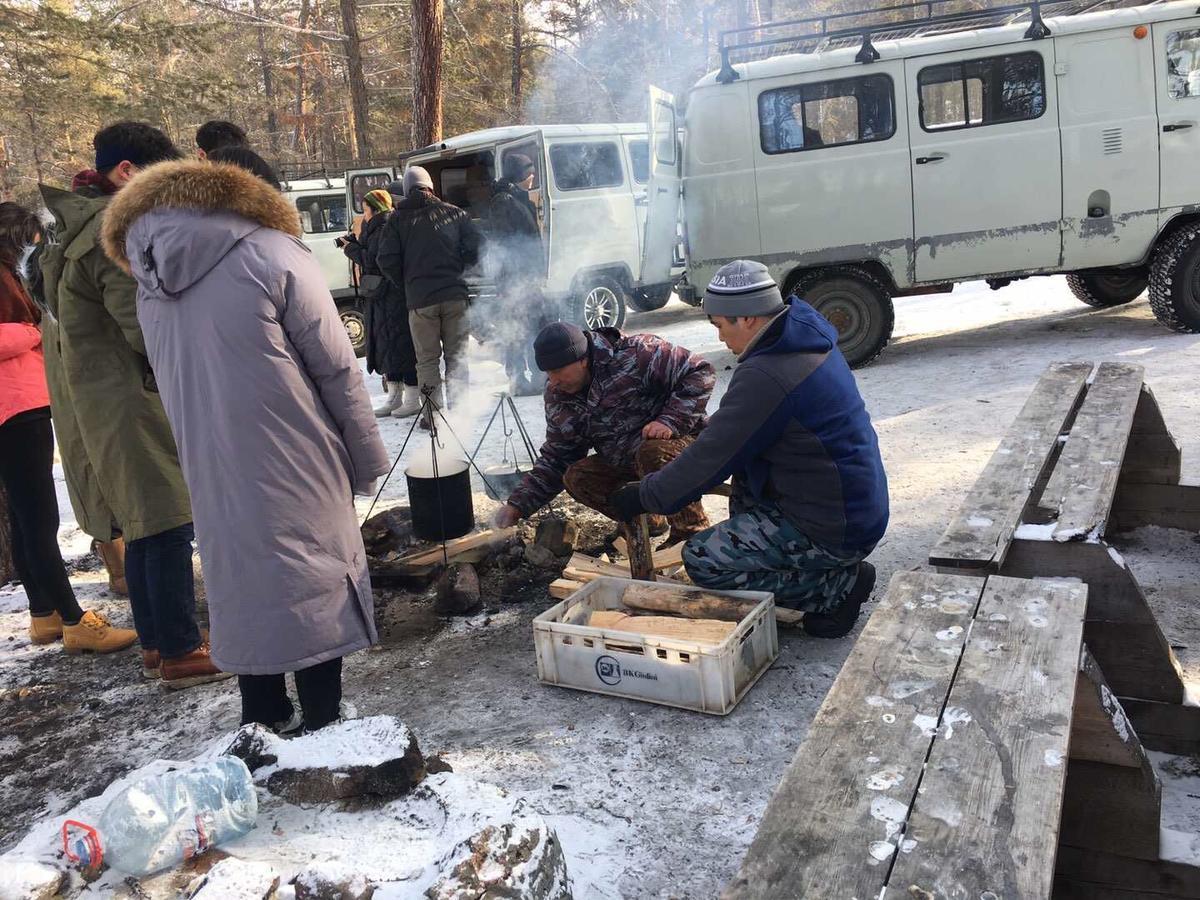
{"x":709,"y":678}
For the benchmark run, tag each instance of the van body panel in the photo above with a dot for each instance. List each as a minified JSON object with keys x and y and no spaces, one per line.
{"x":853,"y":200}
{"x":987,"y":193}
{"x":1177,"y":66}
{"x":1109,"y":147}
{"x":720,"y":190}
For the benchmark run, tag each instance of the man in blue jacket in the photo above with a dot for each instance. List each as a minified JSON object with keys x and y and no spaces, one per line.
{"x":810,"y":497}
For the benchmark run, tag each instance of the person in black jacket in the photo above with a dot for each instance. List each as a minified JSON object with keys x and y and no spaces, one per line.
{"x":519,"y":273}
{"x":390,"y":350}
{"x":426,"y":247}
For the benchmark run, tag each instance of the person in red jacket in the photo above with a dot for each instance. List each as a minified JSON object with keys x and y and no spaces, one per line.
{"x":27,"y":460}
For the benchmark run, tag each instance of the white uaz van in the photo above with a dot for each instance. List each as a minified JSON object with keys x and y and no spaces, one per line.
{"x":876,"y":159}
{"x":590,"y":192}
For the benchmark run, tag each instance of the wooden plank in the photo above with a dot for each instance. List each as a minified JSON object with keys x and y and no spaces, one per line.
{"x":1084,"y":480}
{"x":985,"y":820}
{"x":705,"y":631}
{"x":458,"y":545}
{"x":668,"y":558}
{"x":1121,"y":630}
{"x":1165,"y":505}
{"x":979,"y":534}
{"x":641,"y":552}
{"x":1100,"y":730}
{"x":1092,"y":875}
{"x":1167,"y":727}
{"x":562,"y":588}
{"x":828,"y":828}
{"x":1153,"y":455}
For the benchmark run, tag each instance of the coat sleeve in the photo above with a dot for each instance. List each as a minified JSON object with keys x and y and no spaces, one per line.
{"x":686,"y":378}
{"x":390,"y":256}
{"x":356,"y":251}
{"x":118,"y":292}
{"x":311,"y":323}
{"x":752,"y":416}
{"x":17,"y":338}
{"x":470,"y":241}
{"x":564,"y":445}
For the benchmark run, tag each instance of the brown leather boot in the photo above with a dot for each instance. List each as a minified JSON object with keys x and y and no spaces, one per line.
{"x":93,"y":634}
{"x":112,"y":553}
{"x":191,"y":669}
{"x":151,"y":665}
{"x":45,"y":629}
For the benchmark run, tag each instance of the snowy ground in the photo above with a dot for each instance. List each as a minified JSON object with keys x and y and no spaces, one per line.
{"x":648,"y":801}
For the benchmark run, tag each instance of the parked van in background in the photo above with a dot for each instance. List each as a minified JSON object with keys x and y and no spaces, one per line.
{"x":321,"y":203}
{"x":590,"y":191}
{"x":880,"y":158}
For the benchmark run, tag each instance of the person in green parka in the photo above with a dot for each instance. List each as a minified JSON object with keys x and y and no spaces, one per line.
{"x":112,"y":400}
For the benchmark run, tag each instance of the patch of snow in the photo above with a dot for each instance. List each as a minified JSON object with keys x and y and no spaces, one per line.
{"x":359,"y":742}
{"x":881,"y":851}
{"x":1191,"y":694}
{"x":890,"y":811}
{"x":1116,"y":557}
{"x":1053,"y":758}
{"x":884,"y":780}
{"x":997,"y":617}
{"x":979,"y":521}
{"x":927,"y":724}
{"x":908,"y":845}
{"x":1027,"y":532}
{"x":1179,"y":847}
{"x":876,"y":700}
{"x":1113,"y":707}
{"x":949,"y":634}
{"x":954,"y":715}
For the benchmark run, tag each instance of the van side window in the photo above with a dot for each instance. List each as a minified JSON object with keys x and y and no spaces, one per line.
{"x":322,"y":215}
{"x":1183,"y":63}
{"x":361,"y":185}
{"x":639,"y":161}
{"x":826,"y":114}
{"x":982,"y":92}
{"x":580,"y":167}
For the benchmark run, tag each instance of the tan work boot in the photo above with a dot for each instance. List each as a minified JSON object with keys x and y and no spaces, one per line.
{"x":45,"y":629}
{"x":151,"y":665}
{"x":112,"y":553}
{"x":93,"y":634}
{"x":191,"y":669}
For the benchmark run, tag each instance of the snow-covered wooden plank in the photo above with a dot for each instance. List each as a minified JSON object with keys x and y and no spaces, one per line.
{"x":1084,"y":480}
{"x":830,"y":827}
{"x":979,"y":534}
{"x":456,"y":546}
{"x":985,"y":821}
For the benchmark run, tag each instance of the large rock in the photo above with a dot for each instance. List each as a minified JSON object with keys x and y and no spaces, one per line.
{"x":330,"y":881}
{"x":557,"y":535}
{"x":374,"y":759}
{"x":27,"y":879}
{"x":237,"y":879}
{"x":458,"y":591}
{"x":506,"y":861}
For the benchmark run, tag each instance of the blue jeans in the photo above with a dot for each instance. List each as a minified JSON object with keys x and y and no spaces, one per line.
{"x":162,"y":591}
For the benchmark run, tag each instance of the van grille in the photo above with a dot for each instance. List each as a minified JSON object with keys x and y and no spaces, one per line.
{"x":1112,"y":139}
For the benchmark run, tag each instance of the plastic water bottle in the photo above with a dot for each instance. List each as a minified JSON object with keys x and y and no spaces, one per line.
{"x":163,"y":820}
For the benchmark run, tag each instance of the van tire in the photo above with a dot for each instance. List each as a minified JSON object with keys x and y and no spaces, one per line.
{"x":354,"y":320}
{"x":600,"y":294}
{"x":1175,"y":281}
{"x":857,"y":303}
{"x":1108,"y":289}
{"x":649,"y":300}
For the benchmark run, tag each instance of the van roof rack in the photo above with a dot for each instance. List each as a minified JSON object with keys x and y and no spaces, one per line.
{"x":904,"y":20}
{"x":324,"y":169}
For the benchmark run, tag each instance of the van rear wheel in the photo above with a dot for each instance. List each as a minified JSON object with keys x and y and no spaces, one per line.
{"x":856,"y":303}
{"x":354,"y":320}
{"x":1175,"y":281}
{"x":1109,"y":288}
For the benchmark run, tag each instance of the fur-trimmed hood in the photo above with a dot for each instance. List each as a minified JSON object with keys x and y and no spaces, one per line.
{"x":177,"y":220}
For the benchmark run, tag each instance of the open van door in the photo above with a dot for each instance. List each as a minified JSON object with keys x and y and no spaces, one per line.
{"x":360,"y":182}
{"x":662,"y":192}
{"x":533,"y":148}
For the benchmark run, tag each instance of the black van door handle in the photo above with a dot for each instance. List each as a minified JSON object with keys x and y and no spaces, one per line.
{"x":924,"y":160}
{"x":1177,"y":126}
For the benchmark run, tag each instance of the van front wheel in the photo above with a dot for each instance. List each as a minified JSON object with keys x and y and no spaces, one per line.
{"x":1175,"y":281}
{"x":856,"y":303}
{"x":354,"y":320}
{"x":1108,"y":289}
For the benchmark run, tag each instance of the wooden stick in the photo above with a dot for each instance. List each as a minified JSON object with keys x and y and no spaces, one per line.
{"x":458,"y":545}
{"x":641,"y":552}
{"x":692,"y":605}
{"x":562,"y":588}
{"x":668,"y":558}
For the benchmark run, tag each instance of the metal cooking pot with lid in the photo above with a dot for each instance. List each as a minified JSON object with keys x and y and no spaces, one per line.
{"x":441,"y":506}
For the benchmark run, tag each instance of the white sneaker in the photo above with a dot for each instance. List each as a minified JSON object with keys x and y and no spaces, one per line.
{"x":390,"y":401}
{"x":410,"y":405}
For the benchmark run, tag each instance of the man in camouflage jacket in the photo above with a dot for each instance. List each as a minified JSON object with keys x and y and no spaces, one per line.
{"x":637,"y":400}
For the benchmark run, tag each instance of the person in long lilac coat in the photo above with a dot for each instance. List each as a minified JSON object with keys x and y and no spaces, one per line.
{"x":273,"y":423}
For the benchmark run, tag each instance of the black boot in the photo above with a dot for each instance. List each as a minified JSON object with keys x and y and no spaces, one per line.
{"x":838,"y":622}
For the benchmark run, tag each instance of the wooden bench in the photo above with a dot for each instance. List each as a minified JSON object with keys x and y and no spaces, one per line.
{"x":968,"y":734}
{"x":1088,"y":454}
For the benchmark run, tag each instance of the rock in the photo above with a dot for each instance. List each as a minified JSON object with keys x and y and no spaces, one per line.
{"x":388,"y":532}
{"x":506,"y":861}
{"x":557,"y":535}
{"x":458,"y":591}
{"x":330,"y":881}
{"x":27,"y":879}
{"x":435,"y":765}
{"x":537,"y":555}
{"x":375,"y":758}
{"x":237,"y":879}
{"x":254,"y":745}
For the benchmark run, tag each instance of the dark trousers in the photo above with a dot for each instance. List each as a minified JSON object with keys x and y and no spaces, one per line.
{"x":319,"y":687}
{"x":162,"y":591}
{"x":27,"y":473}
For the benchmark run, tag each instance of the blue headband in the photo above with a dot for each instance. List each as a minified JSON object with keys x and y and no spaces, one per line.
{"x":109,"y":156}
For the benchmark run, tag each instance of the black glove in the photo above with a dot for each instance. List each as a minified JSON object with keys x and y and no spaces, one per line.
{"x":628,"y":502}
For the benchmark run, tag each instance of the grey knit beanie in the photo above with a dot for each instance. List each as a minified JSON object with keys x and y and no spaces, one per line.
{"x":416,"y":177}
{"x":743,"y":288}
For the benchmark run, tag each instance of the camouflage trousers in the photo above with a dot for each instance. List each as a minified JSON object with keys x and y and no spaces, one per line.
{"x":592,"y":481}
{"x":758,"y":549}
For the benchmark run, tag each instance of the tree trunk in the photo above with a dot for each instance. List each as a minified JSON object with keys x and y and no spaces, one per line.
{"x":268,"y":83}
{"x":427,"y":72}
{"x":518,"y":33}
{"x":299,"y":138}
{"x":360,"y":140}
{"x":7,"y":570}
